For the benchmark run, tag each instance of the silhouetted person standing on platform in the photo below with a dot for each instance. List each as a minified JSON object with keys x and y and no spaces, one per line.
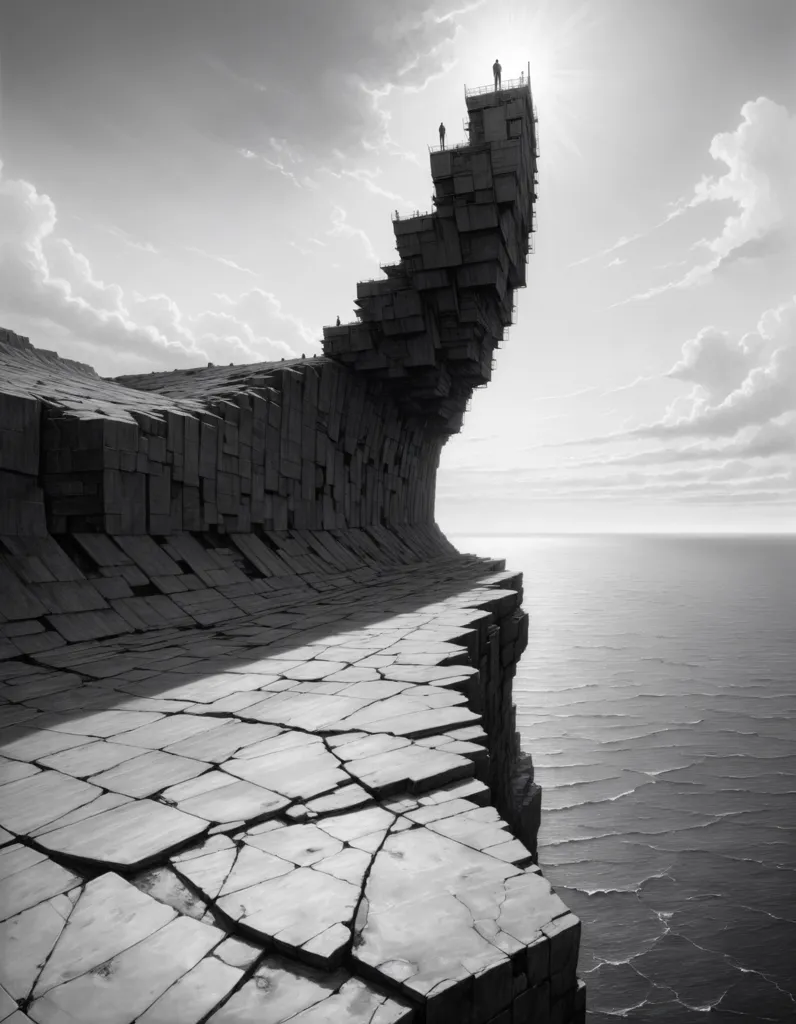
{"x":338,"y":322}
{"x":441,"y":135}
{"x":496,"y":70}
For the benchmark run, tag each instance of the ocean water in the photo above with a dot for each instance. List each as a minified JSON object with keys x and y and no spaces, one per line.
{"x":657,"y":696}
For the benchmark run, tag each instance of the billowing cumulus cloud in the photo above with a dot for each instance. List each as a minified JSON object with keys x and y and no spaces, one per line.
{"x":744,"y":384}
{"x":760,"y":179}
{"x":44,"y":278}
{"x":727,"y":399}
{"x":717,"y":363}
{"x":760,"y":156}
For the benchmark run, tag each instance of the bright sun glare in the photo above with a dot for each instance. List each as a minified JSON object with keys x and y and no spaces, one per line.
{"x":553,"y":38}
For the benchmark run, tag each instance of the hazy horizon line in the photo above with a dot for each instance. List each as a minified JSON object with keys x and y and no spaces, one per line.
{"x":625,"y":533}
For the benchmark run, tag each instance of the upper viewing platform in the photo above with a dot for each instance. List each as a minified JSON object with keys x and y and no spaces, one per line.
{"x":481,"y":97}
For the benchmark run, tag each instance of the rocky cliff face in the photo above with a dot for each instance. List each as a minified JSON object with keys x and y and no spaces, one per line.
{"x":259,"y":750}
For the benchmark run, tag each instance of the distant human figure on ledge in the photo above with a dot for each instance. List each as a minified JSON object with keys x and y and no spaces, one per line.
{"x":442,"y":135}
{"x":496,"y":70}
{"x":522,"y":78}
{"x":338,"y":322}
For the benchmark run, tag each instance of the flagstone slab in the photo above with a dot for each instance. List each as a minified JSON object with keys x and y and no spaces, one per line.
{"x":513,"y":851}
{"x":194,"y":995}
{"x":413,"y":768}
{"x":10,"y":770}
{"x":209,"y":867}
{"x":278,"y":990}
{"x":352,"y":746}
{"x":360,"y":674}
{"x":7,"y":1005}
{"x":204,"y":689}
{"x":238,"y":953}
{"x":28,"y":878}
{"x":300,"y":772}
{"x":374,"y":711}
{"x":80,"y":697}
{"x":342,"y":799}
{"x":347,"y":827}
{"x":253,"y":866}
{"x":110,"y":916}
{"x":90,"y":758}
{"x":129,"y":836}
{"x":101,"y":723}
{"x":308,"y":711}
{"x":312,"y":670}
{"x":281,"y":739}
{"x":349,"y":864}
{"x":426,"y":813}
{"x":18,"y":857}
{"x":26,"y":941}
{"x":300,"y":844}
{"x":11,"y":714}
{"x":233,"y":704}
{"x":149,"y":773}
{"x":32,"y":744}
{"x":126,"y":986}
{"x":168,"y":731}
{"x":219,"y":797}
{"x":295,"y":908}
{"x":218,"y":744}
{"x":423,"y":721}
{"x":472,"y":831}
{"x":436,"y":674}
{"x":374,"y":688}
{"x":29,"y":803}
{"x":473,"y":790}
{"x":104,"y":802}
{"x":357,"y":1003}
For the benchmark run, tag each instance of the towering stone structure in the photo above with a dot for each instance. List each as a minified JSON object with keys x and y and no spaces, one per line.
{"x":431,"y":328}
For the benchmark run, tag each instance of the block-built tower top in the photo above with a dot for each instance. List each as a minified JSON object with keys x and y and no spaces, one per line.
{"x":431,"y":328}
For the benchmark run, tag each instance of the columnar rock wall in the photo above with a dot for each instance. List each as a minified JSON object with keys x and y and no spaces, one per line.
{"x":304,"y":445}
{"x":259,"y":757}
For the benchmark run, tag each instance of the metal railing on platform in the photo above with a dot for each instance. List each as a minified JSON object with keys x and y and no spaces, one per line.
{"x":512,"y":83}
{"x":445,"y":148}
{"x":411,"y":216}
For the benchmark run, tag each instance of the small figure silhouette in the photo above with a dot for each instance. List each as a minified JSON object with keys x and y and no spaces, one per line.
{"x":442,"y":135}
{"x":496,"y":70}
{"x":338,"y":322}
{"x":522,"y":78}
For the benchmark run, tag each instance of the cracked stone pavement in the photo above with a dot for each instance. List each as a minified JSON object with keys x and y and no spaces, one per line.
{"x":278,"y":818}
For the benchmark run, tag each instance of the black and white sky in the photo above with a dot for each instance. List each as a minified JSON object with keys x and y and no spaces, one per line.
{"x":187,"y":180}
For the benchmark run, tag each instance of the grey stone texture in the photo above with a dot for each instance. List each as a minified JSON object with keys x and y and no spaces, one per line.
{"x":258,"y":755}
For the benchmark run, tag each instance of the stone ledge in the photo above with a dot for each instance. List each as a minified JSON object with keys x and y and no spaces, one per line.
{"x":278,"y":814}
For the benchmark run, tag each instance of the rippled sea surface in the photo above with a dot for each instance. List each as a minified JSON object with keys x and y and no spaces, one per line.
{"x":658,"y":698}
